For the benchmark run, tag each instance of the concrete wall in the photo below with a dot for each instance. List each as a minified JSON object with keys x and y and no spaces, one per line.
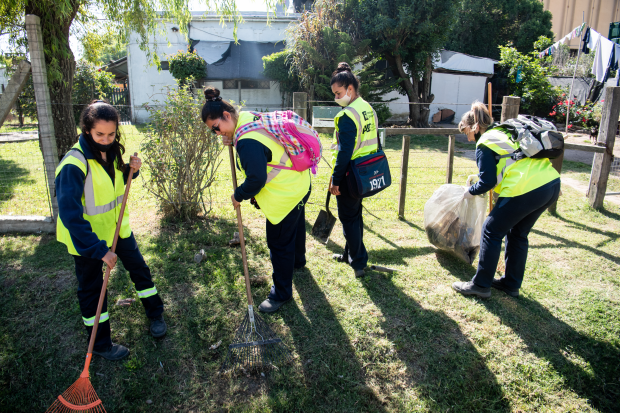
{"x":4,"y":80}
{"x":568,"y":14}
{"x":452,"y":91}
{"x":146,"y":82}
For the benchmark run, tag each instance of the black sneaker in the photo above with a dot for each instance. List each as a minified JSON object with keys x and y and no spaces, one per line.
{"x":270,"y":306}
{"x":469,"y":288}
{"x":500,"y":286}
{"x":359,"y":273}
{"x":113,"y":353}
{"x":158,"y":326}
{"x":338,"y":257}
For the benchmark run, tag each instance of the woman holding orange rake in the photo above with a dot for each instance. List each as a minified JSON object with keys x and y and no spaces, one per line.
{"x":90,"y":185}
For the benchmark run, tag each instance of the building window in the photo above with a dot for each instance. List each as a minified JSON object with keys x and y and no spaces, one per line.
{"x":247,"y":84}
{"x":164,"y":65}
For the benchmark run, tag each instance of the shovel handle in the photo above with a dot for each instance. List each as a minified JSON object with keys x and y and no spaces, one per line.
{"x":240,"y":225}
{"x":93,"y":335}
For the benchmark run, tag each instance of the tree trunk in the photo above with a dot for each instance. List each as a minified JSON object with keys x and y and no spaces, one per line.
{"x":410,"y":88}
{"x":418,"y":91}
{"x":426,"y":96}
{"x":56,"y":26}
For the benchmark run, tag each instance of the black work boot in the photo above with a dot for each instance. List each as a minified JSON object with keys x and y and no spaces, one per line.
{"x":338,"y":257}
{"x":500,"y":286}
{"x":269,"y":305}
{"x":114,"y":352}
{"x":158,"y":326}
{"x":469,"y":288}
{"x":359,"y":273}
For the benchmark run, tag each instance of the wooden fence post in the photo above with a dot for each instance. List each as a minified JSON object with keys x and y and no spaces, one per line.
{"x":300,"y":104}
{"x":450,"y":167}
{"x":404,"y":167}
{"x":606,"y":137}
{"x":510,"y":107}
{"x":13,"y":89}
{"x":47,"y":135}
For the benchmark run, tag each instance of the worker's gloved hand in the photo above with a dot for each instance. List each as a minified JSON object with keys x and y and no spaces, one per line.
{"x":467,"y":194}
{"x":253,"y":202}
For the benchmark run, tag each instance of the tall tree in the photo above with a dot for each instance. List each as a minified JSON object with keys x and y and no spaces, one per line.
{"x":125,"y":17}
{"x":407,"y":34}
{"x":483,"y":25}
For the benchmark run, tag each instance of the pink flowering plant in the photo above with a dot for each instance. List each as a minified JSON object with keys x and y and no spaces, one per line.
{"x":585,"y":116}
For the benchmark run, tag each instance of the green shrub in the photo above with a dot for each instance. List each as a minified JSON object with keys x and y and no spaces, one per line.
{"x":528,"y":80}
{"x":181,"y":153}
{"x":186,"y":65}
{"x":89,"y":83}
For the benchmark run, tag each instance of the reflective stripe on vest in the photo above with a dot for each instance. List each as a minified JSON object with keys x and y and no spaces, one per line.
{"x":89,"y":322}
{"x":147,"y":293}
{"x":500,"y":143}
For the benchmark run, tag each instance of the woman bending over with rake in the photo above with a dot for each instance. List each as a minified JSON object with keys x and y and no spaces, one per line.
{"x":90,"y":184}
{"x":280,"y":193}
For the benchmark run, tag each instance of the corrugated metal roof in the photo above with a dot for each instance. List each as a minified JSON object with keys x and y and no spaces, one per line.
{"x":241,"y":61}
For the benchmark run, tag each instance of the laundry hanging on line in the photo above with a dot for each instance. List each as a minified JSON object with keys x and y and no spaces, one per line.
{"x":576,"y":32}
{"x":607,"y":53}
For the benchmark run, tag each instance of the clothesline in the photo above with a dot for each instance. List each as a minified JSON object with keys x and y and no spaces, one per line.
{"x":576,"y":32}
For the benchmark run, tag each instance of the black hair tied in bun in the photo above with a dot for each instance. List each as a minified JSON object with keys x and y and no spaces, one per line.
{"x":215,"y":106}
{"x":343,"y":76}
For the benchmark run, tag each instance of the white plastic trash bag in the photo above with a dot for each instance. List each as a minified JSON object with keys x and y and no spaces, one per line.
{"x":454,"y":224}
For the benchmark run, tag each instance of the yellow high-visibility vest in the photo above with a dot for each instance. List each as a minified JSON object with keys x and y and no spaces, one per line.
{"x":101,"y":199}
{"x":366,"y":122}
{"x":516,"y":178}
{"x":284,"y":188}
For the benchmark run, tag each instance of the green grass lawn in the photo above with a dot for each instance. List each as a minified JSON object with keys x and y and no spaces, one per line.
{"x":402,"y":342}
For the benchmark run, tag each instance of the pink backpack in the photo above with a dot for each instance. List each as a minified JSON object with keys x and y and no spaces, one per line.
{"x":300,"y":141}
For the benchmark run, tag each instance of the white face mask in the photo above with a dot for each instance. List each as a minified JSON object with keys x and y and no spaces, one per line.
{"x":344,"y":101}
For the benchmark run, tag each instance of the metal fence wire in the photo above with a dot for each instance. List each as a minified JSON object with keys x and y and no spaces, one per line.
{"x":23,"y":185}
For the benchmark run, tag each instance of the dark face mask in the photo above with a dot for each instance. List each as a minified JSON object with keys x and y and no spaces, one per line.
{"x":477,"y":136}
{"x":97,"y":146}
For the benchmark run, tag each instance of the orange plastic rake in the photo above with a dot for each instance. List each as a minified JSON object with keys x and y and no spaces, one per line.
{"x":81,"y":396}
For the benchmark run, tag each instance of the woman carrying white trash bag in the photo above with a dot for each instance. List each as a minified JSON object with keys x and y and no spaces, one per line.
{"x":526,"y":189}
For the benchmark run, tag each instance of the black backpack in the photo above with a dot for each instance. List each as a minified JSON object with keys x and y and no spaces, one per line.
{"x":537,"y":138}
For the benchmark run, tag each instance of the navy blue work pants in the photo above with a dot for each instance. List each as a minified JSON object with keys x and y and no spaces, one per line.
{"x":512,"y":218}
{"x":89,"y":272}
{"x":287,"y":250}
{"x":350,"y":215}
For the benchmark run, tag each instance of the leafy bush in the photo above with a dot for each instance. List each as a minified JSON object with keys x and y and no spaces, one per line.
{"x":89,"y":83}
{"x":186,"y":65}
{"x":527,"y":78}
{"x":181,"y":153}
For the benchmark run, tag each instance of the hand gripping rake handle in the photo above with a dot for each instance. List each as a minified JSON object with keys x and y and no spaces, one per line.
{"x":241,"y":239}
{"x":93,"y":335}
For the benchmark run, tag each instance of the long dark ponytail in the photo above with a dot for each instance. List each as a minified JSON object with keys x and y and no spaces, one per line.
{"x":99,"y":110}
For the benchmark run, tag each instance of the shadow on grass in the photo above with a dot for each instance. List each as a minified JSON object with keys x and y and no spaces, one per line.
{"x":332,"y":377}
{"x":11,"y":175}
{"x":441,"y":361}
{"x":590,"y":367}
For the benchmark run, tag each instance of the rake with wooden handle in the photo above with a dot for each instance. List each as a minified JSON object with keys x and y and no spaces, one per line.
{"x":255,"y":344}
{"x":81,"y":395}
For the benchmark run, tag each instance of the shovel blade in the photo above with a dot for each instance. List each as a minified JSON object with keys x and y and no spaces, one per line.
{"x":323,"y":226}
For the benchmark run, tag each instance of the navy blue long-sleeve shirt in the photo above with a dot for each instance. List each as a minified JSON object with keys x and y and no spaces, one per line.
{"x":254,"y":157}
{"x":347,"y":132}
{"x":487,"y":162}
{"x":69,"y":191}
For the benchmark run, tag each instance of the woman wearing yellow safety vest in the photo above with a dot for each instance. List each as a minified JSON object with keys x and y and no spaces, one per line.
{"x":280,"y":193}
{"x":90,"y":185}
{"x":526,"y":188}
{"x":355,"y":135}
